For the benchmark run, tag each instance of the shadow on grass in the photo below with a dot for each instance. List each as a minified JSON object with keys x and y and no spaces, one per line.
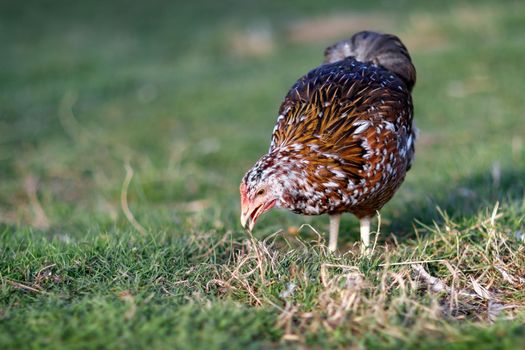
{"x":458,"y":200}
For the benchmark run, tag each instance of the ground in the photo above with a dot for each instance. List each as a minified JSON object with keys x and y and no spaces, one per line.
{"x":125,"y":129}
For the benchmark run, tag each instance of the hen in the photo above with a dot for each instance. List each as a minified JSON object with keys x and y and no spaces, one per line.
{"x":344,"y":138}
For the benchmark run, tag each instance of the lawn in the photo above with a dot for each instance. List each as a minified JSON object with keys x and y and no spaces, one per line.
{"x":125,"y":129}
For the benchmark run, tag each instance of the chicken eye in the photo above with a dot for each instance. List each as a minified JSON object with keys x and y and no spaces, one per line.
{"x":260,"y":192}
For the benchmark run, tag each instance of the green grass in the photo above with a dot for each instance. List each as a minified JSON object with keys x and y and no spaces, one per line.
{"x":187,"y":95}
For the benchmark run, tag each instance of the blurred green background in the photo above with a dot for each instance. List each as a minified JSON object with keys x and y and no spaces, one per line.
{"x":187,"y":94}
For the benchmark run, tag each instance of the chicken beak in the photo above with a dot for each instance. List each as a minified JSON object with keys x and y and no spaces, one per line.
{"x":245,"y":221}
{"x":250,"y":216}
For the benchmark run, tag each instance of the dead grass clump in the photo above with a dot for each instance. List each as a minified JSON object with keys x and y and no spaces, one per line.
{"x":255,"y":41}
{"x":394,"y":293}
{"x":333,"y":27}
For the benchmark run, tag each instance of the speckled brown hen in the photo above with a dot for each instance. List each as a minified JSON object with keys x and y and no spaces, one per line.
{"x":344,"y":138}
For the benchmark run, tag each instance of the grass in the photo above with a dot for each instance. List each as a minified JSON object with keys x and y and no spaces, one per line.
{"x":184,"y":97}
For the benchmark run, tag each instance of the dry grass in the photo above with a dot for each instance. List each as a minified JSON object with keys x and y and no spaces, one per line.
{"x":425,"y":289}
{"x":326,"y":28}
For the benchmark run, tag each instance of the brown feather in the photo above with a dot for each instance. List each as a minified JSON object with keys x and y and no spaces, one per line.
{"x":343,"y":140}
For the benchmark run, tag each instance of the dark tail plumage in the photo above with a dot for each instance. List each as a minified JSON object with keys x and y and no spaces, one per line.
{"x":384,"y":50}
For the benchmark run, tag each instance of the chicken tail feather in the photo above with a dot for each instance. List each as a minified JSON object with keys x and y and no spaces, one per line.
{"x":384,"y":50}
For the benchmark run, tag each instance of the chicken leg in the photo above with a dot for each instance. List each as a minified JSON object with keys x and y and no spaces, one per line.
{"x":364,"y":224}
{"x":334,"y":231}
